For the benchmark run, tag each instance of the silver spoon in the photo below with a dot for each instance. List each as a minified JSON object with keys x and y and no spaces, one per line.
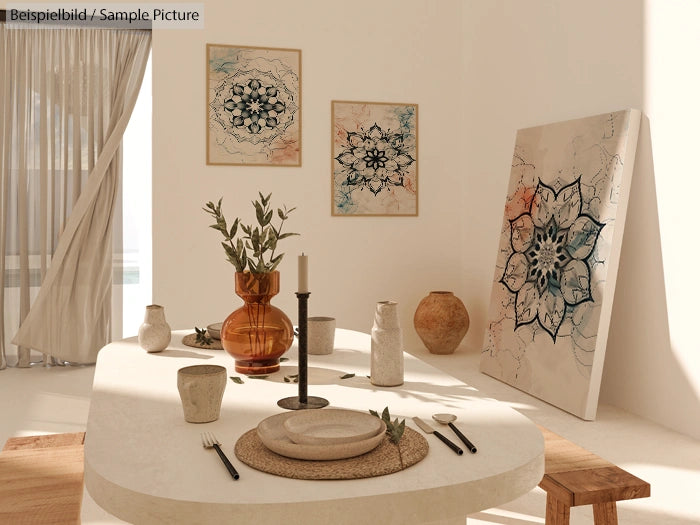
{"x":447,"y":419}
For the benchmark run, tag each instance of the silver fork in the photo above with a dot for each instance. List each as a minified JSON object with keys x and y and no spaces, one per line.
{"x":208,"y":441}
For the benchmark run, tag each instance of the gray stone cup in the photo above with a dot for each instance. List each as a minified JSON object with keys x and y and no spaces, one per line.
{"x":320,"y":335}
{"x":201,"y":390}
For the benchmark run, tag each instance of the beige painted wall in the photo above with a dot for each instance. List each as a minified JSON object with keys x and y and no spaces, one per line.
{"x":365,"y":50}
{"x":529,"y":63}
{"x":479,"y":71}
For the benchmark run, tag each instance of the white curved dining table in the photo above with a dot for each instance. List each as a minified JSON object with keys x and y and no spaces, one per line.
{"x":145,"y":464}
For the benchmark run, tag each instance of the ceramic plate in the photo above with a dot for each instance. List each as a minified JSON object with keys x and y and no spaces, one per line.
{"x":331,"y":426}
{"x":274,"y":436}
{"x":215,"y":330}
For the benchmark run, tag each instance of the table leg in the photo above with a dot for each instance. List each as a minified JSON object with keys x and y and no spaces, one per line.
{"x":605,"y":513}
{"x":557,"y":512}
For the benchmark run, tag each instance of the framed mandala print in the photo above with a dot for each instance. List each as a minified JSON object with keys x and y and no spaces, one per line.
{"x":253,"y":106}
{"x":556,"y":268}
{"x":374,"y":158}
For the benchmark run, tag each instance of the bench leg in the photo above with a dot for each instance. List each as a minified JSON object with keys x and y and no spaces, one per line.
{"x":557,"y":512}
{"x":605,"y":513}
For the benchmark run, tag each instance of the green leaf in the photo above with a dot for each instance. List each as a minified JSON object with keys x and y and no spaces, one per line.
{"x":275,"y":261}
{"x":285,"y":235}
{"x":234,"y":229}
{"x":258,"y":377}
{"x":236,"y":380}
{"x":385,"y":416}
{"x":259,"y":214}
{"x":348,"y":376}
{"x":267,"y":218}
{"x":397,"y":431}
{"x":374,"y":412}
{"x":283,"y":359}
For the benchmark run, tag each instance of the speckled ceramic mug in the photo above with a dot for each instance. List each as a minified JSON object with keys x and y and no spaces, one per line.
{"x":201,"y":390}
{"x":320,"y":335}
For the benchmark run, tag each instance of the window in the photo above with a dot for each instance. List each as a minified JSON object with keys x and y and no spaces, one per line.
{"x":132,"y":288}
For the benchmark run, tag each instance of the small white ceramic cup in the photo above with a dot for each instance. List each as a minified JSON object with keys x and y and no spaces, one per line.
{"x":201,"y":390}
{"x":320,"y":335}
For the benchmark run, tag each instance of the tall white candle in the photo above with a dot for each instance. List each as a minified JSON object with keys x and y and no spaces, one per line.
{"x":303,"y":273}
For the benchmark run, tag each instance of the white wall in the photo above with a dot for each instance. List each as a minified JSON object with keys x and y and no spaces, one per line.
{"x":654,"y":364}
{"x":529,"y":63}
{"x":367,"y":50}
{"x":479,"y":71}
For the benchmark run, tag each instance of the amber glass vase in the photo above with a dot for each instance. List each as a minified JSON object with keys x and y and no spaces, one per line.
{"x":257,"y":334}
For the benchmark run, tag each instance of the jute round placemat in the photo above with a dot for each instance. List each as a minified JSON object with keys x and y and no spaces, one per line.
{"x":387,"y":458}
{"x":191,"y":340}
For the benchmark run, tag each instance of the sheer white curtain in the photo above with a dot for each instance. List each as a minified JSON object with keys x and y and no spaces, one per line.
{"x":66,"y":96}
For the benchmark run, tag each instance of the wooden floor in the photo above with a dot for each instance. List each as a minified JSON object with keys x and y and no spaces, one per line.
{"x":41,"y":479}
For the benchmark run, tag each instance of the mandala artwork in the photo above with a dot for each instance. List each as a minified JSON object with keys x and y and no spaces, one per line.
{"x":253,"y":106}
{"x":549,"y":271}
{"x":554,"y":283}
{"x":374,"y":158}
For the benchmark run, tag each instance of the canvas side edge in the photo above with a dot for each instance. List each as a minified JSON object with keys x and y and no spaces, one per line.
{"x":591,"y":407}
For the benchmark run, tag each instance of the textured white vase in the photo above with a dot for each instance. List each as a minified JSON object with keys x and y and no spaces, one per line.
{"x":154,"y":333}
{"x":387,"y":346}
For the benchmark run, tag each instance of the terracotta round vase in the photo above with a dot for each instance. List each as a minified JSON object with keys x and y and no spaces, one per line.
{"x":441,"y":321}
{"x":257,"y":334}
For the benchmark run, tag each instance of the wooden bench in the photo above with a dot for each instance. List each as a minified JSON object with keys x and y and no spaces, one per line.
{"x":41,"y":479}
{"x":574,"y":476}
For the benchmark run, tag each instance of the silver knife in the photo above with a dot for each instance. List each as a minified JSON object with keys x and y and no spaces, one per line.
{"x":430,"y":430}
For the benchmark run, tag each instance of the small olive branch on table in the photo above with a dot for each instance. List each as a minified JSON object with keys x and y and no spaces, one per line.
{"x":249,"y":247}
{"x":394,"y":429}
{"x":202,"y":336}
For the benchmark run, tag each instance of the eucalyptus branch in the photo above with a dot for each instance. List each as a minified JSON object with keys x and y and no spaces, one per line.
{"x":394,"y":429}
{"x":258,"y":240}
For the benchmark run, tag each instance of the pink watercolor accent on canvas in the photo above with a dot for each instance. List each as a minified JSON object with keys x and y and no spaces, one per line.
{"x":520,"y":203}
{"x":289,"y":152}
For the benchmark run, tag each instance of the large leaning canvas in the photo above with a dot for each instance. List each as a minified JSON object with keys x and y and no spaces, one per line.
{"x":558,"y":256}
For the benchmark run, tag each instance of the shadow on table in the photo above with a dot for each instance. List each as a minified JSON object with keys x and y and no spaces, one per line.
{"x":182,"y":353}
{"x":452,"y":395}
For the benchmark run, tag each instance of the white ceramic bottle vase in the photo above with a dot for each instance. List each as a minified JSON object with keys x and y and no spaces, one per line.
{"x":387,"y":346}
{"x":154,"y":333}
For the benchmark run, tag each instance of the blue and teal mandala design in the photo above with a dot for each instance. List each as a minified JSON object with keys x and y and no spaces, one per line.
{"x":254,"y":106}
{"x":549,"y":270}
